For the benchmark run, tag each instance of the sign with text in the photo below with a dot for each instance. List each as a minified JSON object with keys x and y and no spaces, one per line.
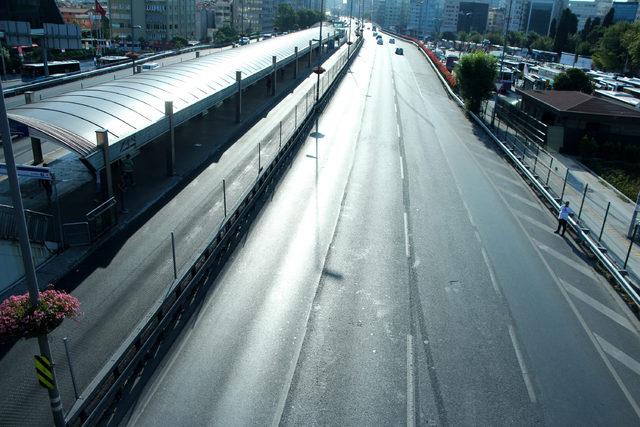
{"x":62,"y":36}
{"x":29,"y":172}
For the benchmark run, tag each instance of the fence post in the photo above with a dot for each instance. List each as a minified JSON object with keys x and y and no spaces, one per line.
{"x":280,"y":145}
{"x":173,"y":253}
{"x":73,"y":377}
{"x":102,"y":139}
{"x":224,"y":197}
{"x":295,"y":118}
{"x":564,"y":185}
{"x":633,"y":238}
{"x":584,"y":195}
{"x":535,"y":161}
{"x":259,"y":160}
{"x":549,"y":171}
{"x":604,"y":221}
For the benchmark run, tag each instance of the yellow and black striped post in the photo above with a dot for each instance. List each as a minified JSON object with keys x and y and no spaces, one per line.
{"x":44,"y":372}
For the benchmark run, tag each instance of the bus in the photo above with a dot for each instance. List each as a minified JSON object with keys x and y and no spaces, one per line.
{"x":33,"y":72}
{"x":107,"y":61}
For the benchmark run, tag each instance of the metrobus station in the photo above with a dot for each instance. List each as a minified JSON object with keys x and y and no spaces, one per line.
{"x":155,"y":118}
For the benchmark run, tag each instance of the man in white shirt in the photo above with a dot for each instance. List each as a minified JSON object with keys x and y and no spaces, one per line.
{"x":563,"y":217}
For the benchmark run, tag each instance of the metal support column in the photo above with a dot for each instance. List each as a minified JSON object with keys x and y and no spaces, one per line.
{"x":239,"y":97}
{"x":274,"y":75}
{"x":36,"y":144}
{"x":310,"y":51}
{"x":295,"y":69}
{"x":171,"y":149}
{"x":102,"y":138}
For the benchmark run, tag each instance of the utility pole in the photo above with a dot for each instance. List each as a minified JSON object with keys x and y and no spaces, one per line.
{"x":27,"y":258}
{"x":634,"y":217}
{"x":504,"y":48}
{"x":319,"y":68}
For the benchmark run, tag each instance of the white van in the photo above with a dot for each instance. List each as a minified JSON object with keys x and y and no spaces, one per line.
{"x":150,"y":66}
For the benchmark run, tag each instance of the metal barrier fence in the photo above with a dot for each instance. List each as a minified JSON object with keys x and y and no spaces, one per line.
{"x":156,"y":274}
{"x":102,"y":218}
{"x":38,"y":224}
{"x":607,"y":220}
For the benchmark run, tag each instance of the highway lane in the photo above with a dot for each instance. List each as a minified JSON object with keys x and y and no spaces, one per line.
{"x":415,"y":280}
{"x":233,"y":363}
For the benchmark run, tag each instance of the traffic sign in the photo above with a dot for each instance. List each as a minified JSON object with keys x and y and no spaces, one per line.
{"x":29,"y":172}
{"x":44,"y":372}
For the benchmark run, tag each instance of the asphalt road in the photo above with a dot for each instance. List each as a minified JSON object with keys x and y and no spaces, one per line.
{"x":406,"y":275}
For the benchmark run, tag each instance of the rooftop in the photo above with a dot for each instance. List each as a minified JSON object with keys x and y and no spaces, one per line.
{"x":580,"y":103}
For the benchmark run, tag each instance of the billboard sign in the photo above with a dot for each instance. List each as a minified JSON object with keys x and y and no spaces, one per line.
{"x":16,"y":33}
{"x":63,"y":36}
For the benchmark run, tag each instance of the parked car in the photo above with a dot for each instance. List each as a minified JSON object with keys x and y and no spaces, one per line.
{"x":243,"y":41}
{"x":380,"y":41}
{"x":150,"y":66}
{"x":399,"y":51}
{"x":392,"y":41}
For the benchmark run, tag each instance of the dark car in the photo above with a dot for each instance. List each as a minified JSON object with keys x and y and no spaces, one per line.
{"x":399,"y":51}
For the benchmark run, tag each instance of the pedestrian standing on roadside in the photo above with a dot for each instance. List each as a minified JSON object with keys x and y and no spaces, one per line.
{"x":127,"y":170}
{"x":46,"y":184}
{"x":563,"y":217}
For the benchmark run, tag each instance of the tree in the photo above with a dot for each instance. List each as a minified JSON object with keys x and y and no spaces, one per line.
{"x":567,"y":25}
{"x":495,"y":38}
{"x":179,"y":42}
{"x":224,"y":35}
{"x":584,"y":49}
{"x":285,"y":17}
{"x":448,"y":35}
{"x":515,"y":38}
{"x":543,"y":43}
{"x":607,"y":21}
{"x":476,"y":74}
{"x":611,"y":54}
{"x":475,"y":37}
{"x":552,"y":28}
{"x":462,"y":36}
{"x":573,"y":79}
{"x":587,"y":29}
{"x":631,"y":39}
{"x":531,"y":37}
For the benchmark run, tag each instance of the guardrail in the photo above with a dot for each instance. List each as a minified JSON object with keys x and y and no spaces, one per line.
{"x":618,"y":274}
{"x":37,"y":224}
{"x":159,"y":326}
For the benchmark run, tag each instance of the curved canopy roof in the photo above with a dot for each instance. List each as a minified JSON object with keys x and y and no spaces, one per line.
{"x":128,"y":106}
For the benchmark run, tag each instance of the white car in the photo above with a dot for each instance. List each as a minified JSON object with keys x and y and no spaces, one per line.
{"x":150,"y":66}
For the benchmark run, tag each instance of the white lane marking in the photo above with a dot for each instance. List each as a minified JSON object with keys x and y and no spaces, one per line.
{"x":492,"y":276}
{"x":411,"y":420}
{"x":523,"y":367}
{"x":395,"y":107}
{"x":587,"y":271}
{"x":502,"y":164}
{"x":475,"y":232}
{"x":618,"y":354}
{"x":401,"y":169}
{"x":498,"y":175}
{"x":597,"y":305}
{"x":398,"y":129}
{"x":533,"y":221}
{"x":406,"y":236}
{"x":521,"y":199}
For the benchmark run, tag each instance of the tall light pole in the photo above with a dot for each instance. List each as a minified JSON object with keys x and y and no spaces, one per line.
{"x":27,"y":258}
{"x":504,"y":49}
{"x":319,"y":69}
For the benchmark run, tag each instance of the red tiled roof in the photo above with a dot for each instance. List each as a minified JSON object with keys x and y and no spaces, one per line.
{"x":578,"y":102}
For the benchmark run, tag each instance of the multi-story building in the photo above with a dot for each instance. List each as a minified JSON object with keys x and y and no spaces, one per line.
{"x":516,"y":12}
{"x":495,"y":20}
{"x":449,"y":16}
{"x":79,"y":16}
{"x":422,"y":18}
{"x":247,"y":16}
{"x":624,"y":10}
{"x":153,"y":20}
{"x":585,"y":9}
{"x":472,"y":16}
{"x":36,"y":12}
{"x":539,"y":16}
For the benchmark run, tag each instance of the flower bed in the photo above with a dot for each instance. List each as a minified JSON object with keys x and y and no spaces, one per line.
{"x":19,"y":319}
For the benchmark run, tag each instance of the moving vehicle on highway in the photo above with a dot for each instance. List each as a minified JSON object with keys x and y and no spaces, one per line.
{"x":150,"y":66}
{"x":399,"y":51}
{"x":107,"y":61}
{"x":35,"y":72}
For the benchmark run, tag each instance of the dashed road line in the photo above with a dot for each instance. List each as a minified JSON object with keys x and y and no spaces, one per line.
{"x":401,"y":169}
{"x":411,"y":398}
{"x":523,"y":367}
{"x":533,"y":221}
{"x":618,"y":354}
{"x":395,"y":107}
{"x":398,"y":129}
{"x":506,"y":178}
{"x":598,"y":306}
{"x":406,"y":236}
{"x":492,"y":275}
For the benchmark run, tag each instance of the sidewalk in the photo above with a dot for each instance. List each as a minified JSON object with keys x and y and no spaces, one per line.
{"x":118,"y":284}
